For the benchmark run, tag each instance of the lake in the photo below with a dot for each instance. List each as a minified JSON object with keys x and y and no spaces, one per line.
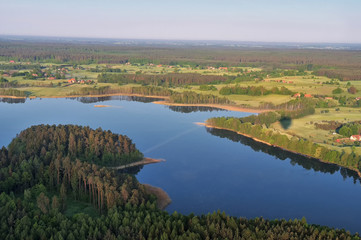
{"x":205,"y":169}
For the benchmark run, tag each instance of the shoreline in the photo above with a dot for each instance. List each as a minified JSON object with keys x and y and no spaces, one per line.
{"x":13,"y":97}
{"x":105,"y":95}
{"x":102,"y":106}
{"x":142,"y":162}
{"x":274,"y":145}
{"x":220,"y":106}
{"x":92,"y":95}
{"x":163,"y":199}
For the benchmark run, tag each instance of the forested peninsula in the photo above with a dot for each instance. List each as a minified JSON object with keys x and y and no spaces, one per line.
{"x":55,"y":184}
{"x":256,"y":127}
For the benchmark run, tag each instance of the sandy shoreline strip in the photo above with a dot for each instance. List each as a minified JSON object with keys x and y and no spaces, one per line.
{"x":142,"y":162}
{"x":13,"y":97}
{"x":101,"y":106}
{"x":225,"y":107}
{"x":163,"y":199}
{"x":274,"y":145}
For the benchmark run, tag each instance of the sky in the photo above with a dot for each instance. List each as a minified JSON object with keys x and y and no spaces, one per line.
{"x":331,"y":21}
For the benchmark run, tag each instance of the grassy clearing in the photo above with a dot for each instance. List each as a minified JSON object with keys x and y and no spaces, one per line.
{"x":305,"y":128}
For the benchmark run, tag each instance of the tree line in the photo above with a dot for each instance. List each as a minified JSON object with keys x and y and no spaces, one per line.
{"x":12,"y":92}
{"x":348,"y":129}
{"x":186,"y":97}
{"x":167,"y":80}
{"x":254,"y":90}
{"x":189,"y":97}
{"x":295,"y":144}
{"x":21,"y":221}
{"x":18,"y":66}
{"x":69,"y":160}
{"x":341,"y":74}
{"x":43,"y":172}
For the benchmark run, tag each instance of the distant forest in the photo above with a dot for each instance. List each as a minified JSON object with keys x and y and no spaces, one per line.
{"x":341,"y":64}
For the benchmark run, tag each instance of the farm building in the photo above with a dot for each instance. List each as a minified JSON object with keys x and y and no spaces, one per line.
{"x":355,"y":138}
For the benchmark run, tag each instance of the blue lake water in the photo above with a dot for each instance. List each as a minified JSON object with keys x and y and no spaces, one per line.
{"x":206,"y":169}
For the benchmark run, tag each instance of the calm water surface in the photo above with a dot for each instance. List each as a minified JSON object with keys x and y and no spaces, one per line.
{"x":206,"y":169}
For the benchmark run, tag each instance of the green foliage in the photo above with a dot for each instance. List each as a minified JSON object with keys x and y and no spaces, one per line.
{"x":56,"y":198}
{"x":166,"y":80}
{"x":353,"y":128}
{"x":43,"y":159}
{"x":92,"y":91}
{"x":337,"y":91}
{"x":207,"y":88}
{"x":254,"y":91}
{"x":12,"y":92}
{"x":147,"y":222}
{"x":76,"y":142}
{"x":195,"y":98}
{"x":300,"y":146}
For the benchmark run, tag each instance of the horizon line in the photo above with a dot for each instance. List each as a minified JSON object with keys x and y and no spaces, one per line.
{"x":174,"y":39}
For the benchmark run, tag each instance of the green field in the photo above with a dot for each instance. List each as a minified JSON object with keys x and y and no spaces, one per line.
{"x":305,"y":128}
{"x":307,"y":84}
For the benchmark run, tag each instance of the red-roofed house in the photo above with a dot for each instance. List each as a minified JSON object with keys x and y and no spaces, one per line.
{"x":297,"y":95}
{"x":308,"y":95}
{"x":355,"y":138}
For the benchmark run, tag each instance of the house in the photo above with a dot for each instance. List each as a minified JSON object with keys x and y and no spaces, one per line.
{"x":297,"y":95}
{"x":72,"y":80}
{"x":308,"y":95}
{"x":223,"y":68}
{"x":51,"y":78}
{"x":355,"y":138}
{"x":12,"y":61}
{"x":342,"y":140}
{"x":328,"y":98}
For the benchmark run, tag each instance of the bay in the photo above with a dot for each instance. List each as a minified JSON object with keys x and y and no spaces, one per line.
{"x":205,"y":169}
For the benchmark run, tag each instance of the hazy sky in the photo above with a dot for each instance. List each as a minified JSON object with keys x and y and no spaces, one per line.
{"x":242,"y":20}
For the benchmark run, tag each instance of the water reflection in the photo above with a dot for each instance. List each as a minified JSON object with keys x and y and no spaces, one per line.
{"x":119,"y":98}
{"x":306,"y":163}
{"x":189,"y":109}
{"x":13,"y":100}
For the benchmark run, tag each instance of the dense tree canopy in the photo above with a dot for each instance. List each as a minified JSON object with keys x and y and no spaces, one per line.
{"x":45,"y":173}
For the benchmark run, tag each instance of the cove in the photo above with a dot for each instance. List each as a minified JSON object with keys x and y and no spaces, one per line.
{"x":205,"y":169}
